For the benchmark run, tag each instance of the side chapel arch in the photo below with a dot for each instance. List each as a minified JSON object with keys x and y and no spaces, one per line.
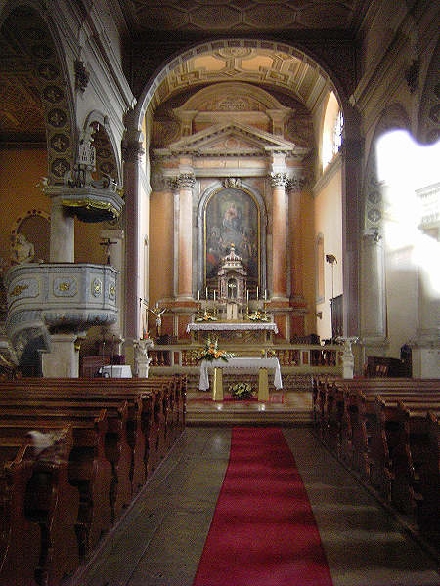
{"x":158,"y":89}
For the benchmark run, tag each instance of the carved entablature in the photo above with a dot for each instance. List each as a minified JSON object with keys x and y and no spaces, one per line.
{"x":240,"y":102}
{"x":229,"y":140}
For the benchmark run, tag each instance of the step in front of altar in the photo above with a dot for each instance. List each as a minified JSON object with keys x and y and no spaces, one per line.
{"x":289,"y":407}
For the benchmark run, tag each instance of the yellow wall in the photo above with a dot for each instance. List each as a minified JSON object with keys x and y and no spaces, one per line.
{"x":328,"y":221}
{"x":20,"y":171}
{"x":308,"y":267}
{"x":87,"y":243}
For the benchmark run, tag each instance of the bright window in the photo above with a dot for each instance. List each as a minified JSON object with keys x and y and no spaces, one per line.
{"x":332,"y":131}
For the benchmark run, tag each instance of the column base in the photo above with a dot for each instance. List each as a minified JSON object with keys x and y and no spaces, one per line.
{"x":263,"y":385}
{"x":217,"y":393}
{"x":63,"y":360}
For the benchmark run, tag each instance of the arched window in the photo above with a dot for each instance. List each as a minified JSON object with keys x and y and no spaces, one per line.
{"x":332,"y":131}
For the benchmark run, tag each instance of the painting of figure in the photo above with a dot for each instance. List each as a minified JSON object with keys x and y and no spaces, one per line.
{"x":231,"y":217}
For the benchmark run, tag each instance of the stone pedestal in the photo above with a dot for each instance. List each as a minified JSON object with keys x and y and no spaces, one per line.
{"x":426,"y":362}
{"x":263,"y":385}
{"x":217,"y":385}
{"x":348,"y":358}
{"x":63,"y":360}
{"x":141,"y":359}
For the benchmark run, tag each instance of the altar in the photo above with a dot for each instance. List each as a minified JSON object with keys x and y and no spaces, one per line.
{"x":244,"y":364}
{"x":242,"y":332}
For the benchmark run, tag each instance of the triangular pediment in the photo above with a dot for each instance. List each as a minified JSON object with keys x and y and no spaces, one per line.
{"x":231,"y":139}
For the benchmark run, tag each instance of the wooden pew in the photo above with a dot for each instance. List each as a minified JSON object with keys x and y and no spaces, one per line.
{"x":427,"y":469}
{"x":116,"y":448}
{"x":388,"y":433}
{"x":169,"y":414}
{"x":392,"y":446}
{"x":88,"y":468}
{"x":39,"y":508}
{"x":16,"y":566}
{"x":157,"y":416}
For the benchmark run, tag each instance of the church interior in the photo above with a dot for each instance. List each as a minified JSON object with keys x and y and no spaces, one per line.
{"x":217,"y":215}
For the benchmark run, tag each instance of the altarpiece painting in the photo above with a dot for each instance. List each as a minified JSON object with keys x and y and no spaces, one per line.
{"x":232,"y":217}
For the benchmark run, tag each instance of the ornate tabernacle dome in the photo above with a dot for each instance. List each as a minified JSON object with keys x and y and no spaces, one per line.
{"x":232,"y":277}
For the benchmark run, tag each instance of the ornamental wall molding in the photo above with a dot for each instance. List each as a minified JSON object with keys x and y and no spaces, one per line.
{"x":230,"y":139}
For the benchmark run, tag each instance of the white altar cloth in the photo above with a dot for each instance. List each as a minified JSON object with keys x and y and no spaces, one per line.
{"x":116,"y":371}
{"x":224,"y":325}
{"x":249,"y":363}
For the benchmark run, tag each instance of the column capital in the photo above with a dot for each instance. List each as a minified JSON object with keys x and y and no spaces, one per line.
{"x":278,"y":179}
{"x":133,"y":151}
{"x":186,"y":180}
{"x":295,"y":183}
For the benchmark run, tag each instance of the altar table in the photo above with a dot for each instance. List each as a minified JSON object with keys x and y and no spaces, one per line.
{"x":262,"y":365}
{"x":229,"y":331}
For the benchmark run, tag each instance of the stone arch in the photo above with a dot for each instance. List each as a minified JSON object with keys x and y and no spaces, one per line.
{"x":428,"y":131}
{"x":107,"y":160}
{"x":39,"y":44}
{"x":147,"y":96}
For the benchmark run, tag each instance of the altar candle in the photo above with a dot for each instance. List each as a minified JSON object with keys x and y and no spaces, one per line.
{"x":206,"y":292}
{"x":214,"y":294}
{"x":198,"y":295}
{"x":247,"y":295}
{"x":257,"y":293}
{"x":265,"y":294}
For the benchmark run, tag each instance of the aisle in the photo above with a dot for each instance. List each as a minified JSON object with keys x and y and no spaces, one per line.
{"x":160,"y":539}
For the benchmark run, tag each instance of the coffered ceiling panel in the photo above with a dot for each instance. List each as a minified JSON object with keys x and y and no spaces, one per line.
{"x":243,"y":15}
{"x":162,"y":28}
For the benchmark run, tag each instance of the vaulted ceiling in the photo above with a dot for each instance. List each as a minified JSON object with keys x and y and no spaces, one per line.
{"x":160,"y":29}
{"x":232,"y":16}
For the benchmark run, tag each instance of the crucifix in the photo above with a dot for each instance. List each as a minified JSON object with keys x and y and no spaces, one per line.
{"x":107,"y":243}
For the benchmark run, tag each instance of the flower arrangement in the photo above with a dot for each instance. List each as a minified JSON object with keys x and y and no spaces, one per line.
{"x":241,"y":391}
{"x":211,"y":351}
{"x":206,"y":317}
{"x":258,"y":316}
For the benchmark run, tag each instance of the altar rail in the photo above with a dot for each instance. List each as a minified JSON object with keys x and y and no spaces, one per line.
{"x":301,"y":358}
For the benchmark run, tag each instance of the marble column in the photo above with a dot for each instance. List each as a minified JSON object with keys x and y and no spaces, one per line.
{"x":279,"y":236}
{"x":115,"y":239}
{"x":63,"y":359}
{"x":184,"y":253}
{"x":373,"y":311}
{"x":62,"y":241}
{"x":426,"y":346}
{"x":351,"y":156}
{"x":294,"y":187}
{"x":133,"y":152}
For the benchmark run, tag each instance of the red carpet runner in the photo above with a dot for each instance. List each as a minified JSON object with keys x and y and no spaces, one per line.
{"x":263,"y":532}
